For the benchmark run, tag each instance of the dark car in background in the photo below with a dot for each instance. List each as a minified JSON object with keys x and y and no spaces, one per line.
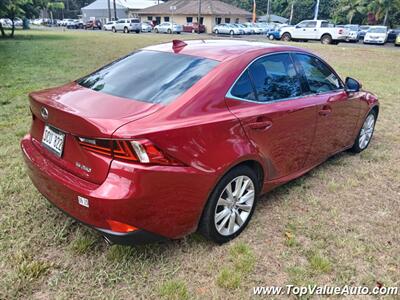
{"x":194,"y":27}
{"x":392,"y":35}
{"x":362,"y":30}
{"x":93,"y":24}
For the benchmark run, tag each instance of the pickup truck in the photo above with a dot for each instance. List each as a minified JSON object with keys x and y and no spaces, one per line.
{"x":315,"y":30}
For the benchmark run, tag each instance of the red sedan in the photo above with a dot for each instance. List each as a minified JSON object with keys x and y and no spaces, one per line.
{"x":194,"y":28}
{"x":182,"y":136}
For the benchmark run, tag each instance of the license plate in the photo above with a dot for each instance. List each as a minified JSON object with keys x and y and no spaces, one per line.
{"x":53,"y":140}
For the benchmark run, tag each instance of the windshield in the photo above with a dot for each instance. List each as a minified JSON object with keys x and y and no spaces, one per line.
{"x":377,"y":30}
{"x":149,"y":76}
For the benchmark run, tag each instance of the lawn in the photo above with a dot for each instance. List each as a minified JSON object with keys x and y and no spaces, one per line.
{"x":337,"y":225}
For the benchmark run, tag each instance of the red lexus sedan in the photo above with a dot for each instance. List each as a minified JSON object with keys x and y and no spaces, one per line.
{"x":185,"y":136}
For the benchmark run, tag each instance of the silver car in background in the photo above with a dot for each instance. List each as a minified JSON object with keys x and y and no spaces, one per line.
{"x":168,"y":27}
{"x":225,"y":28}
{"x":244,"y":28}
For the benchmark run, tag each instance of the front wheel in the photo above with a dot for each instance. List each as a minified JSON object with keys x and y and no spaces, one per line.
{"x":230,"y":206}
{"x":286,"y":37}
{"x":169,"y":31}
{"x":216,"y":31}
{"x":113,"y":30}
{"x":271,"y":37}
{"x":365,"y":134}
{"x":231,"y":32}
{"x":156,"y":30}
{"x":126,"y":30}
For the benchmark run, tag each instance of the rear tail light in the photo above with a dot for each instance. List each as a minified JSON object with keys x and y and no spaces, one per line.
{"x":141,"y":151}
{"x":340,"y":31}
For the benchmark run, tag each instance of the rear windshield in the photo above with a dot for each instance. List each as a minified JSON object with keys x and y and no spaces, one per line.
{"x":149,"y":76}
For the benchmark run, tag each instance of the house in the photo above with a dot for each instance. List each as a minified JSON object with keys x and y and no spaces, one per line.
{"x":124,"y":8}
{"x":186,"y":11}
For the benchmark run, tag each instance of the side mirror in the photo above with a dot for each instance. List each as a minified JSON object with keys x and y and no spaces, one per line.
{"x":352,"y":85}
{"x":297,"y":26}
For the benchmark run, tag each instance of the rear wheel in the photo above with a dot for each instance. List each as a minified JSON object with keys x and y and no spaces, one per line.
{"x":230,"y":206}
{"x":216,"y":31}
{"x":113,"y":29}
{"x":126,"y":30}
{"x":365,"y":134}
{"x":286,"y":37}
{"x":169,"y":31}
{"x":271,"y":37}
{"x":326,"y":39}
{"x":156,"y":30}
{"x":231,"y":32}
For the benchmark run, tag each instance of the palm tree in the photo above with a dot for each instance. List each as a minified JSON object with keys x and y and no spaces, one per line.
{"x":382,"y":8}
{"x":290,"y":8}
{"x":351,"y":7}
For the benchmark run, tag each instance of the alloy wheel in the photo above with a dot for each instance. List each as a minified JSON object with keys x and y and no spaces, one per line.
{"x":234,"y":205}
{"x":366,"y":131}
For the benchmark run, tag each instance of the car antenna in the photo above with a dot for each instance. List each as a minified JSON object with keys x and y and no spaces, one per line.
{"x":178,"y":45}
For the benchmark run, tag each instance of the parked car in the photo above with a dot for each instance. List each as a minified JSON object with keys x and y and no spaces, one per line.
{"x":246,"y":30}
{"x":276,"y":32}
{"x":397,"y":41}
{"x":362,"y":31}
{"x":109,"y":25}
{"x":127,"y":25}
{"x":353,"y":31}
{"x":253,"y":27}
{"x":159,"y":159}
{"x":194,"y":27}
{"x":376,"y":35}
{"x":392,"y":35}
{"x":74,"y":24}
{"x":146,"y":27}
{"x":226,"y":28}
{"x":315,"y":30}
{"x":168,"y":27}
{"x":93,"y":24}
{"x":5,"y":22}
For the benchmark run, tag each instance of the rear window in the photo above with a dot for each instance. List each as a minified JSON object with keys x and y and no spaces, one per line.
{"x":149,"y":76}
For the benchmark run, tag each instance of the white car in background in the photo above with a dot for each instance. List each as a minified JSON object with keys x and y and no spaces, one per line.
{"x":376,"y":35}
{"x":246,"y":30}
{"x":226,"y":28}
{"x":146,"y":27}
{"x":257,"y":29}
{"x":127,"y":25}
{"x":168,"y":27}
{"x":109,"y":25}
{"x":352,"y":33}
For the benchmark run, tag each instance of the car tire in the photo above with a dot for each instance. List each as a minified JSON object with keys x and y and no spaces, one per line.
{"x":286,"y":37}
{"x":156,"y":30}
{"x":193,"y":31}
{"x":220,"y":219}
{"x":137,"y":31}
{"x":271,"y":37}
{"x":126,"y":30}
{"x":231,"y":32}
{"x":113,"y":29}
{"x":169,"y":31}
{"x":365,"y":133}
{"x":326,"y":39}
{"x":216,"y":31}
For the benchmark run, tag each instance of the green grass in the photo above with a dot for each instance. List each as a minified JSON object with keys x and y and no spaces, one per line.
{"x":336,"y":225}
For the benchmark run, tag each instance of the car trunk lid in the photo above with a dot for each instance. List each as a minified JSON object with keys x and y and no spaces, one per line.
{"x":80,"y":112}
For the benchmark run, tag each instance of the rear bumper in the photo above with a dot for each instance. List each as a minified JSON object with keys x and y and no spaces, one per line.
{"x":162,"y":202}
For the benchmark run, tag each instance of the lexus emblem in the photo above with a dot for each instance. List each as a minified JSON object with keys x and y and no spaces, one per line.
{"x":44,"y":113}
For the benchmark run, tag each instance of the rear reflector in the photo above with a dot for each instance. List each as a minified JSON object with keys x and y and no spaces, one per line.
{"x":121,"y":227}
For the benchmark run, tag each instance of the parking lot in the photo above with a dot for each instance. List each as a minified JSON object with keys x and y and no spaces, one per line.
{"x":336,"y":225}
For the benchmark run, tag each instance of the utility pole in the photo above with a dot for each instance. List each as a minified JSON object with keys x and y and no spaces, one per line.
{"x":316,"y":10}
{"x":115,"y":10}
{"x":268,"y":11}
{"x":109,"y":10}
{"x":291,"y":12}
{"x":199,"y":18}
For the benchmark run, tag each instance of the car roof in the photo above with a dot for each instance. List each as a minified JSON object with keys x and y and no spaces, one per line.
{"x":221,"y":49}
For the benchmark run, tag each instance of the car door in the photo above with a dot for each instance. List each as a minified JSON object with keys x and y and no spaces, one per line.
{"x":338,"y":112}
{"x":311,"y":30}
{"x":279,"y":121}
{"x":120,"y":25}
{"x":300,"y":30}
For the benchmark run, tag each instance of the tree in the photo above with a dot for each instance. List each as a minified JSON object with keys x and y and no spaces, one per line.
{"x":348,"y":9}
{"x":382,"y":8}
{"x":11,"y":9}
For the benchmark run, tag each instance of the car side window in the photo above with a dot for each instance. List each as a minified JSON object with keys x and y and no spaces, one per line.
{"x":275,"y":78}
{"x":243,"y":88}
{"x":312,"y":24}
{"x":319,"y":76}
{"x":303,"y":24}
